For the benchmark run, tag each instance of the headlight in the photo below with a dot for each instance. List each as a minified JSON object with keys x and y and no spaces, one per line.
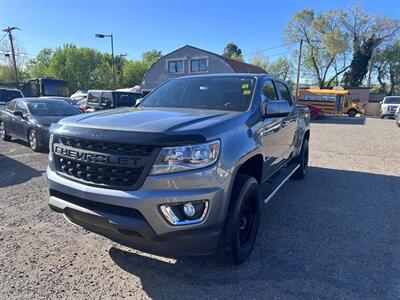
{"x":43,"y":127}
{"x":184,"y":158}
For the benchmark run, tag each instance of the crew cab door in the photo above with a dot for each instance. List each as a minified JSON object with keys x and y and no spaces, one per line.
{"x":273,"y":144}
{"x":289,"y":123}
{"x":20,"y":124}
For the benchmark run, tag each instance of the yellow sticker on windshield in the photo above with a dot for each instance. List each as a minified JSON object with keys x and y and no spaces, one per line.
{"x":245,"y":86}
{"x":246,"y":92}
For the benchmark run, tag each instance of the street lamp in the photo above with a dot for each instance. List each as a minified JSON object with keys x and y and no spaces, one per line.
{"x":102,"y":36}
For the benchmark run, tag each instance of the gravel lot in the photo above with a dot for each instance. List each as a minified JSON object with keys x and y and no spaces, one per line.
{"x":334,"y":235}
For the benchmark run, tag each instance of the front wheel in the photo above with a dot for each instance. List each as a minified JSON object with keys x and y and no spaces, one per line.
{"x":33,"y":140}
{"x":302,"y":160}
{"x":241,"y":227}
{"x":352,"y":113}
{"x":3,"y":134}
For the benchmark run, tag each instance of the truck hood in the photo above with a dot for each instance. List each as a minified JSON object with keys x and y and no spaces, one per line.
{"x":156,"y":120}
{"x":147,"y":125}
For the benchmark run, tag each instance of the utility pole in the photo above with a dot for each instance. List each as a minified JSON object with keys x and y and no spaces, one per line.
{"x":298,"y":70}
{"x":9,"y":31}
{"x":113,"y":62}
{"x":102,"y":36}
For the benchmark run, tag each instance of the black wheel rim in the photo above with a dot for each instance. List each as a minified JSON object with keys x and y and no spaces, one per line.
{"x":32,"y":139}
{"x":246,"y":221}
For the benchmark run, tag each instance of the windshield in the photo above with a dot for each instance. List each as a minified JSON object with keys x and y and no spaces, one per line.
{"x":220,"y":93}
{"x":393,"y":100}
{"x":51,"y":108}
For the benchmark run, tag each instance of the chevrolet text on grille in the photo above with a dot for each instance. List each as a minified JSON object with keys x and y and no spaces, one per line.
{"x":93,"y":157}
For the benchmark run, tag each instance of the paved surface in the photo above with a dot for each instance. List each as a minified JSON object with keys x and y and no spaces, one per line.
{"x":334,"y":235}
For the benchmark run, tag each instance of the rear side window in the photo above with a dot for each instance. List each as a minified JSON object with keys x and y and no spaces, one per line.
{"x":106,"y":100}
{"x":285,"y":94}
{"x":6,"y":96}
{"x":125,"y":99}
{"x":269,"y":91}
{"x":11,"y":105}
{"x":20,"y":106}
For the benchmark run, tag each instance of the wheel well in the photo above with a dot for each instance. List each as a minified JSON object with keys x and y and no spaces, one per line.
{"x":307,"y":135}
{"x":253,"y":167}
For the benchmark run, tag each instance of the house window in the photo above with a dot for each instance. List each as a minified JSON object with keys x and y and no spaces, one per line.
{"x":199,"y":65}
{"x":175,"y":66}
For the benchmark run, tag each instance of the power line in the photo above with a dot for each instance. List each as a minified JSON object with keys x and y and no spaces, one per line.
{"x":3,"y":37}
{"x":268,"y":49}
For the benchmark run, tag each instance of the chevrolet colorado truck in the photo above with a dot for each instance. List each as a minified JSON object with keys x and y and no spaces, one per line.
{"x":185,"y":171}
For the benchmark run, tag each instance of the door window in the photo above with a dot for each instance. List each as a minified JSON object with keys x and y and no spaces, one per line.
{"x":285,"y":94}
{"x":11,"y":105}
{"x":269,"y":91}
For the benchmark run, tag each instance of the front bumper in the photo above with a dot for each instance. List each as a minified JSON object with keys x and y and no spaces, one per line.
{"x":133,"y":218}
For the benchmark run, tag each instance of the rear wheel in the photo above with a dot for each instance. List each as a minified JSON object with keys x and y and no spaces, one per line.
{"x":3,"y":133}
{"x":352,"y":113}
{"x":313,"y":116}
{"x":33,"y":140}
{"x":241,"y":227}
{"x":302,"y":160}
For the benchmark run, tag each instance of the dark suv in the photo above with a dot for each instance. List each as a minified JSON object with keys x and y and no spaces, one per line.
{"x":6,"y":95}
{"x":98,"y":99}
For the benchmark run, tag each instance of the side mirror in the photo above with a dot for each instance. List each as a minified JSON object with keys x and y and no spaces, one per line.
{"x":138,"y":101}
{"x":18,"y":113}
{"x":275,"y":109}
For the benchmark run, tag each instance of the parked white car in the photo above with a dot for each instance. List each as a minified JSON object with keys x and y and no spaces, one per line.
{"x":389,"y":105}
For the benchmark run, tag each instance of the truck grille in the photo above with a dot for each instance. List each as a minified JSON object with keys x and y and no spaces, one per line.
{"x":109,"y":165}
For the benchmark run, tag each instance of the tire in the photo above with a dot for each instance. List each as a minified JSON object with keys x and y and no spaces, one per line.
{"x":352,"y":113}
{"x":302,"y":159}
{"x":3,"y":134}
{"x":382,"y":117}
{"x":33,"y":140}
{"x":398,"y":123}
{"x":243,"y":219}
{"x":313,"y":116}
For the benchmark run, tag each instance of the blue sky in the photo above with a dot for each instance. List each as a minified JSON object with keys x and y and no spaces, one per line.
{"x":164,"y":25}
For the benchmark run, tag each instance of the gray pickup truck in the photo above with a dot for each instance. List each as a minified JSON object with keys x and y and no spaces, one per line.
{"x":184,"y":172}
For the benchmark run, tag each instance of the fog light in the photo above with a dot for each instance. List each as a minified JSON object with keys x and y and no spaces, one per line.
{"x":185,"y":213}
{"x":189,"y":210}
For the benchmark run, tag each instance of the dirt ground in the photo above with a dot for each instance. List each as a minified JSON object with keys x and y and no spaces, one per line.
{"x":334,"y":235}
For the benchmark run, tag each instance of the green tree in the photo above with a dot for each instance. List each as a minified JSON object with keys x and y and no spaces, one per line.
{"x":134,"y":72}
{"x":6,"y":73}
{"x":38,"y":67}
{"x":324,"y":43}
{"x":282,"y":69}
{"x":150,"y":57}
{"x":387,"y":67}
{"x":259,"y":59}
{"x":81,"y":67}
{"x":232,"y":51}
{"x":367,"y":33}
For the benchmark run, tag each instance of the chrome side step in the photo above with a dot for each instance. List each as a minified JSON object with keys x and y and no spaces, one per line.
{"x":273,"y":187}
